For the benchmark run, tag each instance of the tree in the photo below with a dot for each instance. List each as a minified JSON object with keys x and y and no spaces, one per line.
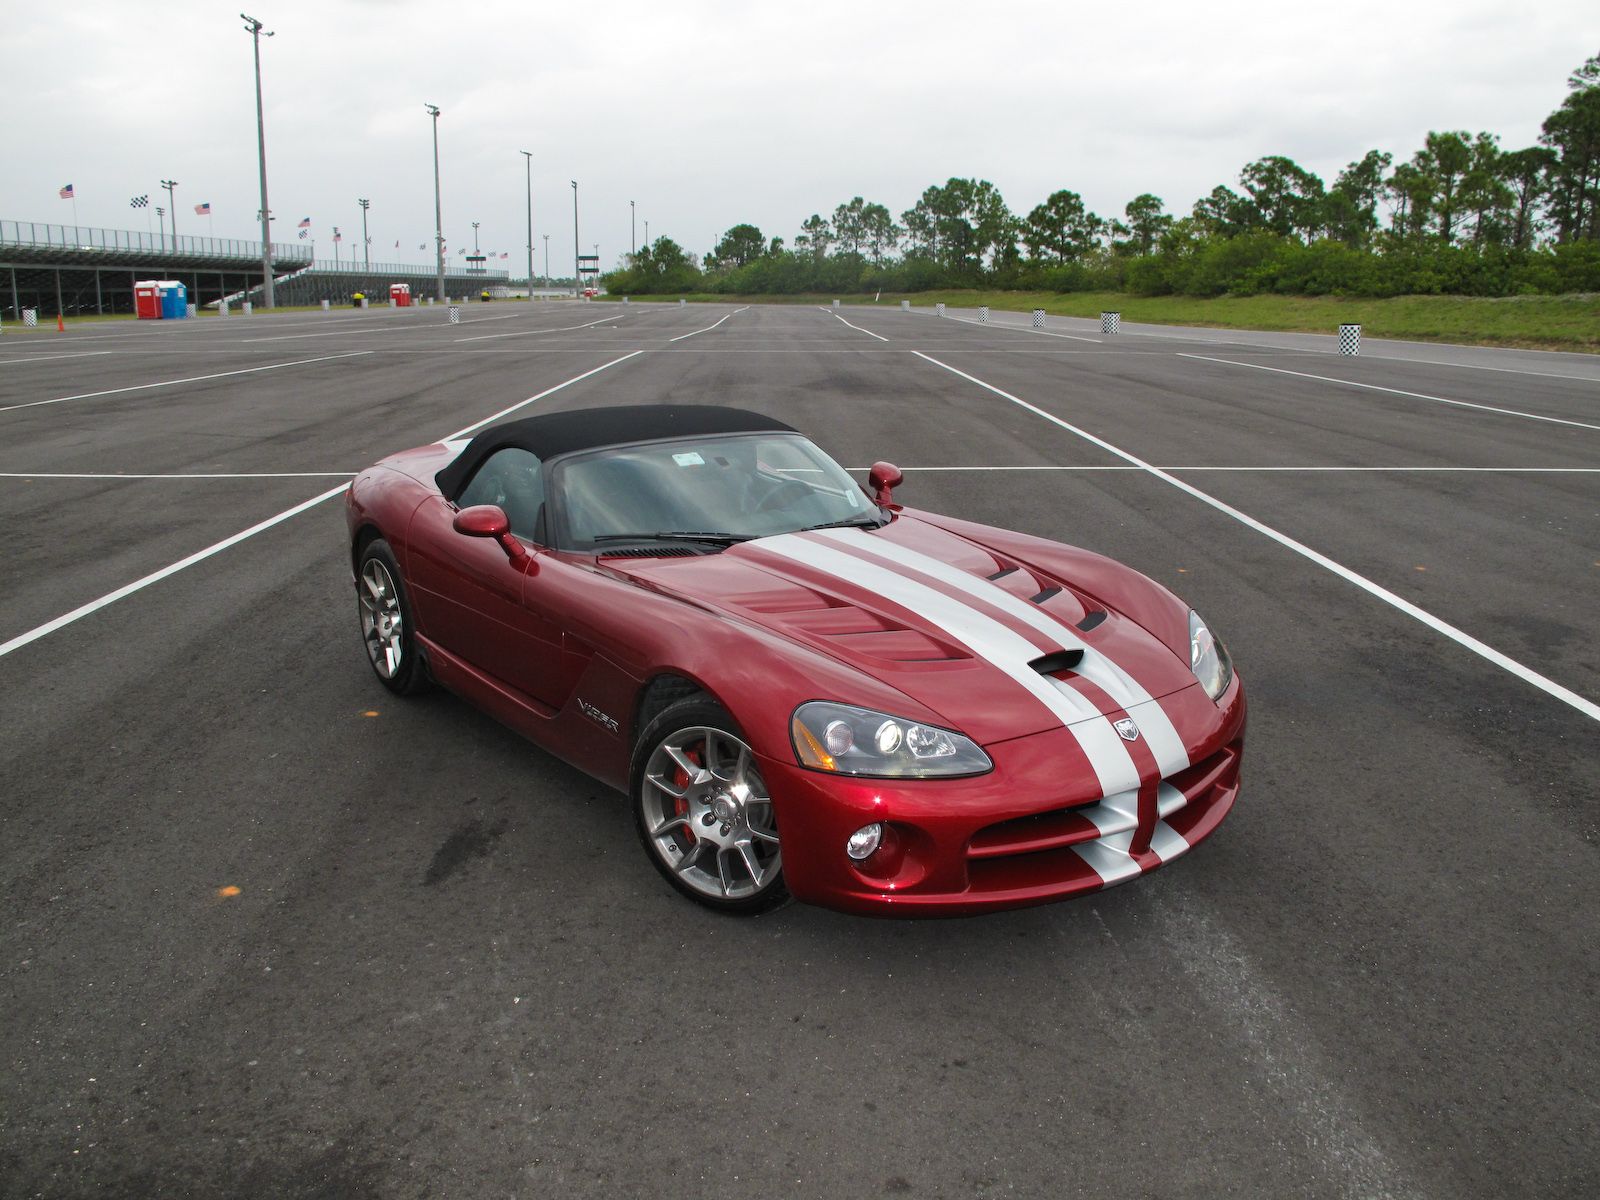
{"x":1286,"y":198}
{"x":1411,"y":195}
{"x":1572,"y":132}
{"x":848,"y":228}
{"x":815,"y":236}
{"x":879,"y":231}
{"x":1444,"y":161}
{"x":1147,"y":221}
{"x":1527,"y":175}
{"x":1484,"y":192}
{"x":1224,"y":213}
{"x":740,"y":245}
{"x":1061,"y":228}
{"x":1350,"y":211}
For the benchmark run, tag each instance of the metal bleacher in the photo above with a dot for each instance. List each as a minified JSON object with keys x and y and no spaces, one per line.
{"x":76,"y":269}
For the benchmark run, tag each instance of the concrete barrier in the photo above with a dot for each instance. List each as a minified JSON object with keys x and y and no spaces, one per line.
{"x":1349,"y":339}
{"x":1110,"y":322}
{"x":835,"y":306}
{"x":905,"y":306}
{"x":681,"y":302}
{"x":1038,"y":318}
{"x":324,"y":306}
{"x":363,"y":302}
{"x":624,"y":302}
{"x":455,"y":315}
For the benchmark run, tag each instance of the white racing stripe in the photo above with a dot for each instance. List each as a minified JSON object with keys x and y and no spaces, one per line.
{"x":1095,"y":666}
{"x":989,"y":639}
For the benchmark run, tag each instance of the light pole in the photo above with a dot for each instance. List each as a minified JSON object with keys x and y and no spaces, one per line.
{"x":438,"y":212}
{"x":647,"y":235}
{"x":576,"y":249}
{"x":366,"y":242}
{"x":161,"y":220}
{"x":546,"y":261}
{"x":528,"y":157}
{"x":335,"y":247}
{"x":253,"y":28}
{"x":172,"y":203}
{"x":633,"y":228}
{"x":475,"y":239}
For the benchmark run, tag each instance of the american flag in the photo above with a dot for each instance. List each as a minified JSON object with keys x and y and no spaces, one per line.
{"x":337,"y":236}
{"x":202,"y":210}
{"x":506,"y":255}
{"x":305,"y":223}
{"x":66,"y":192}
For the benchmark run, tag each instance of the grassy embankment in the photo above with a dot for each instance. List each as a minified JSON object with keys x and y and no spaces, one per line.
{"x":1537,"y":322}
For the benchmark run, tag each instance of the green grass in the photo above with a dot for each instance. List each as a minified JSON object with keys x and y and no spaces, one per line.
{"x":1537,"y":322}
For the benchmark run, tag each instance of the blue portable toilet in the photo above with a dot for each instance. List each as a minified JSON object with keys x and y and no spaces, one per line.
{"x":174,"y":300}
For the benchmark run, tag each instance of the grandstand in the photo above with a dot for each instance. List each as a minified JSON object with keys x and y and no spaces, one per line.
{"x":75,"y":270}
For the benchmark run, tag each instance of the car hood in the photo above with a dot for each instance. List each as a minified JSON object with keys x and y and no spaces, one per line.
{"x":994,"y":647}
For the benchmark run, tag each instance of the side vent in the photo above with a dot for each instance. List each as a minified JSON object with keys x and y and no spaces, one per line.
{"x":1091,"y":620}
{"x":1055,"y":663}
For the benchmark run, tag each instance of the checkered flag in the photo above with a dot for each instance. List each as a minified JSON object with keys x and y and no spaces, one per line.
{"x":139,"y":202}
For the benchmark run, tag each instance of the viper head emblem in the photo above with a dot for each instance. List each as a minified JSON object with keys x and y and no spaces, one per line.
{"x":1127,"y":730}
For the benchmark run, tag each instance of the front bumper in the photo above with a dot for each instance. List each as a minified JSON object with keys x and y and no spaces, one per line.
{"x":1031,"y":831}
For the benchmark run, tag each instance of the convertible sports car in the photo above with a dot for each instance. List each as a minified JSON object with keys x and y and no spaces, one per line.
{"x":804,"y":688}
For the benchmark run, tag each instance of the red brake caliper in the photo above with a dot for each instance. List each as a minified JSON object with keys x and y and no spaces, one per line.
{"x":680,"y":806}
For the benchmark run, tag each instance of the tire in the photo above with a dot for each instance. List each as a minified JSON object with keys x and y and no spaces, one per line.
{"x":383,"y":608}
{"x":702,"y":811}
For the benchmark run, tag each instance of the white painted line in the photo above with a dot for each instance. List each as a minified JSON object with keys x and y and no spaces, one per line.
{"x":297,"y":337}
{"x":1372,"y":350}
{"x":84,"y":610}
{"x":707,"y":329}
{"x":858,"y":329}
{"x":1372,"y":387}
{"x":1289,"y":470}
{"x":141,"y":387}
{"x":477,"y":425}
{"x":232,"y":475}
{"x":1073,"y":337}
{"x":48,"y":357}
{"x":1585,"y":706}
{"x":93,"y":606}
{"x":485,"y":337}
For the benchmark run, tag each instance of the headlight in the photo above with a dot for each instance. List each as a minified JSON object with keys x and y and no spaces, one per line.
{"x":1208,"y":658}
{"x":857,"y":741}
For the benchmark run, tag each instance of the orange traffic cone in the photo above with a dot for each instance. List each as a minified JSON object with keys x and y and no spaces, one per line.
{"x":61,"y":323}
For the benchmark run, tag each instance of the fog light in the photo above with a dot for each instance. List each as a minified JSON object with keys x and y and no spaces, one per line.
{"x":864,"y":841}
{"x":838,"y":737}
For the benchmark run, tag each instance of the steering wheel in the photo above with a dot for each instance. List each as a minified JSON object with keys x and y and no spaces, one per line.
{"x":785,"y":494}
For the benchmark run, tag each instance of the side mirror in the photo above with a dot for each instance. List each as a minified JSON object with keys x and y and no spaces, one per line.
{"x":884,"y":478}
{"x":490,"y":521}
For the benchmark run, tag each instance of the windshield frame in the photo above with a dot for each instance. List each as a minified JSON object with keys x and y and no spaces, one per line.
{"x":559,"y":527}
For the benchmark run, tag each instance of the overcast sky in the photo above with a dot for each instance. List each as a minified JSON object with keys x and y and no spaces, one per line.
{"x":709,"y":113}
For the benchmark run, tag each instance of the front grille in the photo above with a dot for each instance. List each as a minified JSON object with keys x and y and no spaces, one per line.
{"x":1056,"y":829}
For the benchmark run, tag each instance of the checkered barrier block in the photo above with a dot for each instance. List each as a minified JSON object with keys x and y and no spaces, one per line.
{"x":455,"y":315}
{"x":1110,"y":322}
{"x":983,"y":314}
{"x":324,"y":306}
{"x":30,"y":317}
{"x":248,"y":308}
{"x":1349,"y":339}
{"x":222,"y":308}
{"x":624,"y":302}
{"x":1038,"y":318}
{"x":938,"y":310}
{"x":835,"y":306}
{"x":905,"y":306}
{"x":191,"y":309}
{"x":363,"y":302}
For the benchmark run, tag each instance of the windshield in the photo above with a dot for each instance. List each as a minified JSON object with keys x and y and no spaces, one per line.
{"x":742,"y":485}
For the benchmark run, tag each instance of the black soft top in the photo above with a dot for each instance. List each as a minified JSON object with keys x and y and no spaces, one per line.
{"x":550,"y":434}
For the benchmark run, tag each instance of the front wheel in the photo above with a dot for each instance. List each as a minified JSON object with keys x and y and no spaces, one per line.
{"x":386,"y":625}
{"x":703,"y":812}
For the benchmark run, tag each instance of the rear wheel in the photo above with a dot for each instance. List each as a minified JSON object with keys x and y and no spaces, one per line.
{"x":703,"y":812}
{"x":384,"y":609}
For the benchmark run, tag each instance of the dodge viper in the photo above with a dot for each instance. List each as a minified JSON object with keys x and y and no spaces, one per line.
{"x":804,"y":688}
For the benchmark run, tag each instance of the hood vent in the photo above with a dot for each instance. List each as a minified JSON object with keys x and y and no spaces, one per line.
{"x":1090,"y":620}
{"x":1055,"y":663}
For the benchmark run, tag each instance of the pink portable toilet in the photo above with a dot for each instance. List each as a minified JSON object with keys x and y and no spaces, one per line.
{"x":400,"y":295}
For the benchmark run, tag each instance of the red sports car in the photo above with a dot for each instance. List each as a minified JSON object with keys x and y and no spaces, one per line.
{"x":806,"y":689}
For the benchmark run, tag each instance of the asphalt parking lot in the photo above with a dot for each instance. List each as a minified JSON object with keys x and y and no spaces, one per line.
{"x":271,"y":931}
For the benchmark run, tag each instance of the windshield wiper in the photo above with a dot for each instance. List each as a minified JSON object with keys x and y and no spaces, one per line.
{"x":863,"y":522}
{"x":714,"y":539}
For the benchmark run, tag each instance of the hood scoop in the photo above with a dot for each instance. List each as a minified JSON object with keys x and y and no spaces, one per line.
{"x":1056,"y":663}
{"x":652,"y":552}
